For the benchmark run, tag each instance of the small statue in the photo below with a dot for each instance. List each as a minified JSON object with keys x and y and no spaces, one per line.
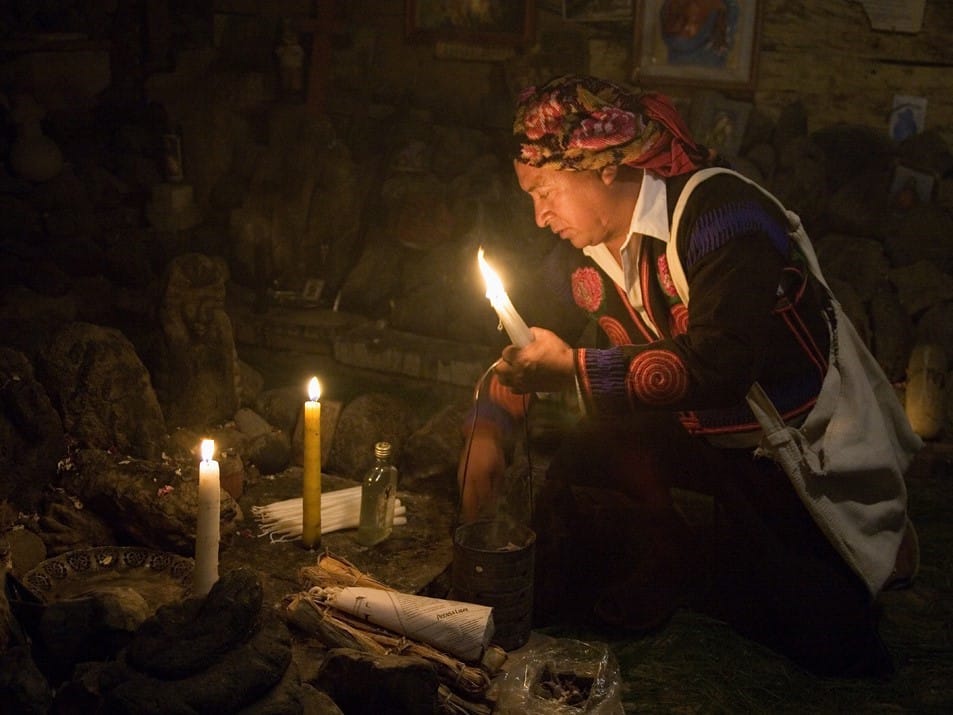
{"x":33,"y":156}
{"x":290,"y":59}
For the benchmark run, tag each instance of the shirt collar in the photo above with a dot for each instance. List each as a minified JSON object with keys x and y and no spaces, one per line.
{"x":650,"y":217}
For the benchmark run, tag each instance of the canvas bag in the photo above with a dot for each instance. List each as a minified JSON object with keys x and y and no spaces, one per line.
{"x":848,"y":458}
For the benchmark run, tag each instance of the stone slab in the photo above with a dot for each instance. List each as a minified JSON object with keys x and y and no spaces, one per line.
{"x":392,"y":351}
{"x":292,"y":328}
{"x":415,"y":556}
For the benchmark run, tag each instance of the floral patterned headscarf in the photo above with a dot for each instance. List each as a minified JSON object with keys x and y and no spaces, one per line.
{"x":577,"y":123}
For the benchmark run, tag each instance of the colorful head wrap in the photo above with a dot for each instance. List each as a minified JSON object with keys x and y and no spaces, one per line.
{"x":578,"y":123}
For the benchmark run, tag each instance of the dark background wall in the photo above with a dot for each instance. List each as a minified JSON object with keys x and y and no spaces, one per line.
{"x":381,"y":171}
{"x":823,"y":53}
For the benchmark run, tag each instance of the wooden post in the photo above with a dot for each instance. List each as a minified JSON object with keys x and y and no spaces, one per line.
{"x":319,"y":69}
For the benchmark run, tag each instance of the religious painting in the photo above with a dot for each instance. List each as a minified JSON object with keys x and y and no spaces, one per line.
{"x":507,"y":22}
{"x":707,"y":43}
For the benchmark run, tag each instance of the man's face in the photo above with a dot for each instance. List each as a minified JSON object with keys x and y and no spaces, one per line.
{"x":575,"y":205}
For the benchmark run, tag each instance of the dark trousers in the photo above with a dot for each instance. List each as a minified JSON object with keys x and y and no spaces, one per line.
{"x":605,"y":512}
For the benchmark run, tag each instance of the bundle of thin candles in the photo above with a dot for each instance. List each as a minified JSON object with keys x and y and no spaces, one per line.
{"x":340,"y":509}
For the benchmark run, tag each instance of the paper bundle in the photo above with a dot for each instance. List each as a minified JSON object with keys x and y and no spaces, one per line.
{"x":340,"y":509}
{"x":462,"y":629}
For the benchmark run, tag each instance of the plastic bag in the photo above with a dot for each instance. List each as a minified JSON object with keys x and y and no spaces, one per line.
{"x":561,"y":677}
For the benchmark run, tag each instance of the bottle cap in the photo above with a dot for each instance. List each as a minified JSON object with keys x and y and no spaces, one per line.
{"x":382,"y":450}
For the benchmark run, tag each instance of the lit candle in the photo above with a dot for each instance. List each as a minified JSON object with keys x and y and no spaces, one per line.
{"x":311,"y":495}
{"x":512,"y":322}
{"x":207,"y":532}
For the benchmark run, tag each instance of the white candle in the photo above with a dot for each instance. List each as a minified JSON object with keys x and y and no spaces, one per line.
{"x":512,"y":322}
{"x":207,"y":532}
{"x":311,"y":483}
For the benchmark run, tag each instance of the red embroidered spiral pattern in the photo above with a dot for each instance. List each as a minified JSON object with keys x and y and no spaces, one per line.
{"x":614,"y":330}
{"x":657,"y":377}
{"x":679,"y":319}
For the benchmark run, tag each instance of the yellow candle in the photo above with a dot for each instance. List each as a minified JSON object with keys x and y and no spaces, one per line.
{"x":311,"y":496}
{"x":207,"y":531}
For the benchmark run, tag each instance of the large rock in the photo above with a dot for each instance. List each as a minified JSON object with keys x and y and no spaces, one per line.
{"x":365,"y":420}
{"x":923,"y":233}
{"x":860,"y":205}
{"x":921,"y":285}
{"x":365,"y":684}
{"x":892,"y":331}
{"x":861,"y":262}
{"x":430,"y":455}
{"x":852,"y":150}
{"x":800,"y":179}
{"x":153,"y":503}
{"x":31,"y":433}
{"x":103,"y":391}
{"x":222,"y":653}
{"x":23,"y":688}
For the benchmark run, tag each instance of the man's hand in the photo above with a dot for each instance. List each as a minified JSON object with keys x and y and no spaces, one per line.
{"x":480,"y":472}
{"x":544,"y":365}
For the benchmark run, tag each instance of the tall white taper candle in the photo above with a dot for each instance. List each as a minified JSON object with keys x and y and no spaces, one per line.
{"x":512,"y":322}
{"x":207,"y":532}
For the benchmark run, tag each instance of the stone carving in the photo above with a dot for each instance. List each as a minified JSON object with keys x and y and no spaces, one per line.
{"x":201,"y":382}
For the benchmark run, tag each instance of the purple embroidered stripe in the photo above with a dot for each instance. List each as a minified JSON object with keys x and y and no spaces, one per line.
{"x":606,"y":372}
{"x":715,"y":228}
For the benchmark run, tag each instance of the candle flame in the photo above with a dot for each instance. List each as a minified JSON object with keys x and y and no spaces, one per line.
{"x":208,"y":449}
{"x":314,"y":389}
{"x":494,"y":286}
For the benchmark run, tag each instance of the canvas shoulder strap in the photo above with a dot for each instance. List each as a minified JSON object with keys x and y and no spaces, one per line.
{"x":671,"y":252}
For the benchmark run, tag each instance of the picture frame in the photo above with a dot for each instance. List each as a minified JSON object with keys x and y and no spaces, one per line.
{"x":598,"y":10}
{"x":705,"y":43}
{"x":492,"y":22}
{"x":718,"y":122}
{"x":313,"y":287}
{"x":912,"y":185}
{"x":907,"y":117}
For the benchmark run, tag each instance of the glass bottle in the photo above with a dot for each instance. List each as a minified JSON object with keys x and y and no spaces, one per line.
{"x":378,"y":492}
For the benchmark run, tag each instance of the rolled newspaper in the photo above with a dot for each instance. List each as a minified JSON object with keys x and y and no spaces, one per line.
{"x":460,"y":628}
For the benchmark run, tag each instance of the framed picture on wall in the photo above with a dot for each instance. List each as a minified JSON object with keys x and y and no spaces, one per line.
{"x":506,"y":22}
{"x":706,"y":43}
{"x":718,"y":122}
{"x":597,"y":10}
{"x":911,"y":185}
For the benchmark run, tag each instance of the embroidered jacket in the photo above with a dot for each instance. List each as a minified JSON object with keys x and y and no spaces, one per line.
{"x":755,"y":315}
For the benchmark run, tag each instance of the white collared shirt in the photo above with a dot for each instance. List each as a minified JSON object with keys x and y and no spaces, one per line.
{"x":649,"y":218}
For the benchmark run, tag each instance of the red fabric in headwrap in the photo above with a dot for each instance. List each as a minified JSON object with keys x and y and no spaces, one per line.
{"x":675,"y":152}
